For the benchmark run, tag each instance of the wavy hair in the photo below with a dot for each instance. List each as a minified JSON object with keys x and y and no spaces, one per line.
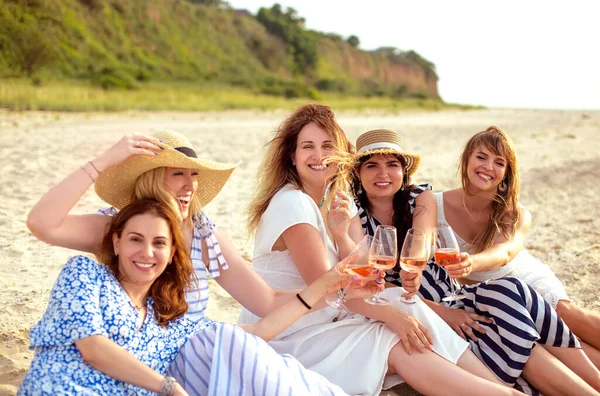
{"x":151,"y":185}
{"x":277,"y":169}
{"x":505,"y":211}
{"x":168,"y":290}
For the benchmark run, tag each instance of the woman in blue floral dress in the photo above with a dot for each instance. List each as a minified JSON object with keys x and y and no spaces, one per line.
{"x":114,"y":329}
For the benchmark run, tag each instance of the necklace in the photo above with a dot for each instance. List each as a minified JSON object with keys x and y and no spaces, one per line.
{"x":137,"y":307}
{"x":322,"y":199}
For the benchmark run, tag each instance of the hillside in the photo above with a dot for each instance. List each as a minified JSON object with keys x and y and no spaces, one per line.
{"x":126,"y":43}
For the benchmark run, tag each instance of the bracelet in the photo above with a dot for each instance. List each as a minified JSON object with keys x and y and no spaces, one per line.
{"x":303,"y":302}
{"x":168,"y":386}
{"x":88,"y":173}
{"x":94,"y":166}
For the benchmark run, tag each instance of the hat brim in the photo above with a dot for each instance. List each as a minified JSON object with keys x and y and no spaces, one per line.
{"x":115,"y":185}
{"x":412,"y":161}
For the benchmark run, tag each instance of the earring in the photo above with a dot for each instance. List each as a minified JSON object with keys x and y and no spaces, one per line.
{"x":404,"y":182}
{"x":360,"y":190}
{"x":502,"y":187}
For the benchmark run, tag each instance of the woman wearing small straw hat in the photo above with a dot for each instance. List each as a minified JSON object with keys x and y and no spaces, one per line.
{"x":487,"y":317}
{"x":303,"y":223}
{"x":165,"y":167}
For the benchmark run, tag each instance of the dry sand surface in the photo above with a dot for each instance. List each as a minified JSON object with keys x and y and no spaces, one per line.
{"x":559,"y":163}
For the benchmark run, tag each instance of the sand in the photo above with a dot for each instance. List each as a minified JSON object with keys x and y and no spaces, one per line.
{"x":559,"y":164}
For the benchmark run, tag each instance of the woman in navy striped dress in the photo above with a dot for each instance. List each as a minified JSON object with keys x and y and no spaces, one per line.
{"x":503,"y":319}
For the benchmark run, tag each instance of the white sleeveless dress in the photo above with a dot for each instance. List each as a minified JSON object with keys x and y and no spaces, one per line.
{"x":352,"y":351}
{"x":524,"y":266}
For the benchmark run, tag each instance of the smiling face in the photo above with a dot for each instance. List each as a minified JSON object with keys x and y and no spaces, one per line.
{"x":143,"y":249}
{"x":182,"y":183}
{"x":485,"y":169}
{"x":312,"y":147}
{"x":381,"y":176}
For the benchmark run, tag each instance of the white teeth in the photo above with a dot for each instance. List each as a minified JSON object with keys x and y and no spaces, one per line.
{"x":143,"y":265}
{"x":383,"y":184}
{"x":483,"y":175}
{"x":184,"y":199}
{"x":318,"y":167}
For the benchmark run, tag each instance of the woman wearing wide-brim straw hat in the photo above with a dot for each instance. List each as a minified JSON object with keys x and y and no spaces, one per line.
{"x":165,"y":167}
{"x":489,"y":313}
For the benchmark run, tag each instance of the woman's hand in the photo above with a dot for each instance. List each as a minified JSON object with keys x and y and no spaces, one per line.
{"x":463,"y":322}
{"x":339,"y":217}
{"x":411,"y":282}
{"x":412,"y":332}
{"x":126,"y":147}
{"x":462,"y":269}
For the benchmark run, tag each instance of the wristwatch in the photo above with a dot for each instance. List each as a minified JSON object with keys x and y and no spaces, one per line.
{"x":167,"y":386}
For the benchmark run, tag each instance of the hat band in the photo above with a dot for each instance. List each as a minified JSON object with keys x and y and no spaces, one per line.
{"x":187,"y":151}
{"x":380,"y":145}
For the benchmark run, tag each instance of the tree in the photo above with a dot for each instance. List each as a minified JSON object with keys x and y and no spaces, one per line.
{"x":353,"y":41}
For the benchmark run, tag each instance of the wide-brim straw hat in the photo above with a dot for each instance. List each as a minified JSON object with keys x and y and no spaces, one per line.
{"x":385,"y":141}
{"x":115,"y":185}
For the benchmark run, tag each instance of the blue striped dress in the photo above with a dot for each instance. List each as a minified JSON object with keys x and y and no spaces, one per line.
{"x":221,"y":358}
{"x":521,"y":317}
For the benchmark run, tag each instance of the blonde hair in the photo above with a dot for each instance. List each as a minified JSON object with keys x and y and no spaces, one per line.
{"x":151,"y":184}
{"x":505,"y":211}
{"x":277,"y":169}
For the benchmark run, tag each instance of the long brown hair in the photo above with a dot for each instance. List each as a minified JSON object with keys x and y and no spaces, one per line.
{"x":277,"y":169}
{"x":168,"y":290}
{"x":505,"y":211}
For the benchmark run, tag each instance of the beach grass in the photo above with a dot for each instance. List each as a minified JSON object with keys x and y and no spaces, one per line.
{"x":21,"y":95}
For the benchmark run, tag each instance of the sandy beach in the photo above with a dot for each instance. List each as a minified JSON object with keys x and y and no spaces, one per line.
{"x":559,"y":164}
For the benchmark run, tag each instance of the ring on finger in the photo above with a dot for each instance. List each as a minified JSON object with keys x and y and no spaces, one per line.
{"x":137,"y":143}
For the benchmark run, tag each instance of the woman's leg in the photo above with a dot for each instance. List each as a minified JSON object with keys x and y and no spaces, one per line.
{"x":591,"y":353}
{"x":584,"y":323}
{"x":431,"y":374}
{"x":551,"y":377}
{"x":579,"y":363}
{"x":468,"y":361}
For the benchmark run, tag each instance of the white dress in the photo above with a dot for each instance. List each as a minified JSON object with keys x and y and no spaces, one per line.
{"x":523,"y":266}
{"x":351,"y":352}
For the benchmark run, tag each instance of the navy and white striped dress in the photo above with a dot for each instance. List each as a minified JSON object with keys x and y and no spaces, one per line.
{"x":221,"y":358}
{"x":521,"y":317}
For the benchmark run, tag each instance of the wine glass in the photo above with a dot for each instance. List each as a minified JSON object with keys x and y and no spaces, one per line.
{"x":386,"y":258}
{"x":414,"y":254}
{"x":446,"y":250}
{"x":357,"y":263}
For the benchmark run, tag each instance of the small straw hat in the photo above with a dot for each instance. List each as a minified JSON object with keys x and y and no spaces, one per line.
{"x":385,"y":141}
{"x":115,"y":185}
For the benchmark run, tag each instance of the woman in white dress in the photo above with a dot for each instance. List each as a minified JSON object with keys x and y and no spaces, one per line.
{"x":490,"y":225}
{"x":298,"y":238}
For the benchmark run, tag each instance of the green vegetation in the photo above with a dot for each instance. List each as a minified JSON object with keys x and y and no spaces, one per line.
{"x":77,"y":96}
{"x":191,"y":55}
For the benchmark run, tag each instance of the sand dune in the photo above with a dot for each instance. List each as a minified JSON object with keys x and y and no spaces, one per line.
{"x":559,"y":164}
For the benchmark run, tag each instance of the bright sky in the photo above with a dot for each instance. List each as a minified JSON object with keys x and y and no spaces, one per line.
{"x":511,"y":53}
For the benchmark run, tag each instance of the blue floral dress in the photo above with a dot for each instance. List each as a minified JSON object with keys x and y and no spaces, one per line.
{"x":88,"y":300}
